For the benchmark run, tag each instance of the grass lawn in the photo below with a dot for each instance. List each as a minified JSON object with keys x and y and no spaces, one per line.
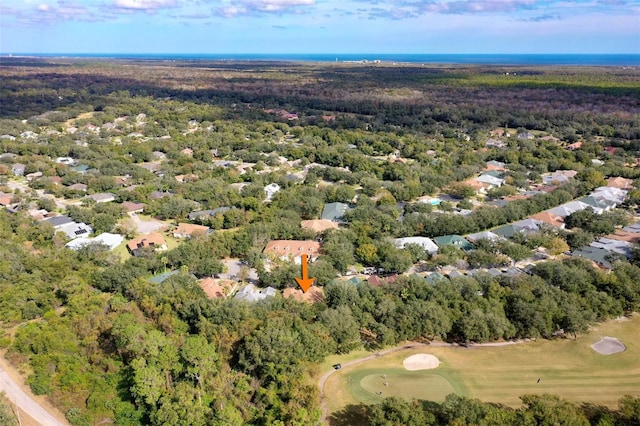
{"x":568,"y":368}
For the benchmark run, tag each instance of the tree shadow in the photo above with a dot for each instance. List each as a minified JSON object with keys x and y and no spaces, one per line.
{"x":351,"y":415}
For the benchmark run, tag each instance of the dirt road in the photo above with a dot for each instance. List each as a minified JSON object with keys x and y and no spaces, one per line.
{"x":25,"y":403}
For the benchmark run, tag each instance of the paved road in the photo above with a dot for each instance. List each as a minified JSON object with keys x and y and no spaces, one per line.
{"x":18,"y":397}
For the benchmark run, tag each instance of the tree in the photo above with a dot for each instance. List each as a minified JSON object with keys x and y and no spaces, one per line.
{"x":342,"y":327}
{"x":548,"y":410}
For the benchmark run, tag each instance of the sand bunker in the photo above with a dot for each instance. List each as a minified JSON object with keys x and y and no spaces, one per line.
{"x":608,"y":345}
{"x":421,"y":362}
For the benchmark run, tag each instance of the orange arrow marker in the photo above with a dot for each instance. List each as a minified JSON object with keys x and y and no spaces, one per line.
{"x":305,"y":282}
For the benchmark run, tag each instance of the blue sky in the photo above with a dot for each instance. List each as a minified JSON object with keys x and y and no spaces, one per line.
{"x":319,"y":26}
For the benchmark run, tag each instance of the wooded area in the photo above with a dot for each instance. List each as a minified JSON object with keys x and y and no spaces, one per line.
{"x":106,"y":344}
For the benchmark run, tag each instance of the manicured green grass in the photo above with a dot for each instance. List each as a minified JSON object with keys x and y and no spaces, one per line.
{"x":568,"y":368}
{"x":368,"y":385}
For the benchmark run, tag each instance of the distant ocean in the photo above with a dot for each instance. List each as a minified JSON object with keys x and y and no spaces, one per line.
{"x":469,"y":59}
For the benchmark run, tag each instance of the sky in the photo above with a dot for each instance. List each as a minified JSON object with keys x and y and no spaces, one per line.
{"x":319,"y":26}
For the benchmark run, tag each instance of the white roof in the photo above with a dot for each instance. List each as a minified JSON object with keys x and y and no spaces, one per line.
{"x":78,"y":243}
{"x":486,"y":235}
{"x":111,"y":240}
{"x":571,"y":207}
{"x":423,"y":242}
{"x":492,"y":180}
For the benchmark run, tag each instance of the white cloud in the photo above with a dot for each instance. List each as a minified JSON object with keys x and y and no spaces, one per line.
{"x":249,"y":7}
{"x":144,"y":4}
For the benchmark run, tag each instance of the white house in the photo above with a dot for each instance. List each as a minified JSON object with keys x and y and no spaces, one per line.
{"x":271,"y":190}
{"x":426,"y":243}
{"x":490,"y":180}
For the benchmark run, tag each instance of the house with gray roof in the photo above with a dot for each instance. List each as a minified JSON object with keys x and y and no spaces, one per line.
{"x":58,"y":221}
{"x":74,"y":230}
{"x":102,"y":197}
{"x":208,"y":213}
{"x":598,"y":255}
{"x":622,"y":247}
{"x":566,"y":209}
{"x":18,"y":169}
{"x":334,"y":211}
{"x":250,"y":293}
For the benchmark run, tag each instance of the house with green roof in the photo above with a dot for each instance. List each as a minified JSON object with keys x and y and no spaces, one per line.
{"x":453,"y":240}
{"x":335,"y":211}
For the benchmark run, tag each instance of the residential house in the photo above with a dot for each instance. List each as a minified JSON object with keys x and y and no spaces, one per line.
{"x":334,"y":212}
{"x":74,"y":230}
{"x":187,"y":151}
{"x":620,"y":183}
{"x":496,"y":165}
{"x":549,"y":219}
{"x":208,"y":213}
{"x":566,"y":209}
{"x":599,"y":206}
{"x":216,"y":288}
{"x":525,"y":135}
{"x":188,"y":230}
{"x":318,"y":225}
{"x":5,"y":199}
{"x":153,"y":240}
{"x":601,"y":257}
{"x":508,"y":231}
{"x":33,"y":176}
{"x":315,"y":294}
{"x":133,"y":208}
{"x":453,"y":240}
{"x":156,"y":195}
{"x":78,"y":187}
{"x":485,"y":235}
{"x":377,"y":281}
{"x":426,"y":243}
{"x":527,"y":225}
{"x":160,"y":278}
{"x":102,"y":197}
{"x":614,"y":245}
{"x":494,"y":143}
{"x":110,"y":240}
{"x":7,"y":156}
{"x":434,"y":277}
{"x":610,"y":193}
{"x":491,"y":181}
{"x":187,"y":178}
{"x":574,"y":146}
{"x":271,"y":190}
{"x":58,"y":221}
{"x":293,"y":249}
{"x":250,"y":293}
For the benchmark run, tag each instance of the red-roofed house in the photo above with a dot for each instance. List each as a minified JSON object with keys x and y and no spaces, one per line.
{"x":292,"y":249}
{"x":620,"y":182}
{"x":188,"y":230}
{"x":549,"y":218}
{"x":153,"y":241}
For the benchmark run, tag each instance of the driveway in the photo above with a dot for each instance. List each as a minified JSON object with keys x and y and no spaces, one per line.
{"x":146,"y":226}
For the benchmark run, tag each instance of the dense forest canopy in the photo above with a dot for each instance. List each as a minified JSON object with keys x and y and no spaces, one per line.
{"x":109,"y":345}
